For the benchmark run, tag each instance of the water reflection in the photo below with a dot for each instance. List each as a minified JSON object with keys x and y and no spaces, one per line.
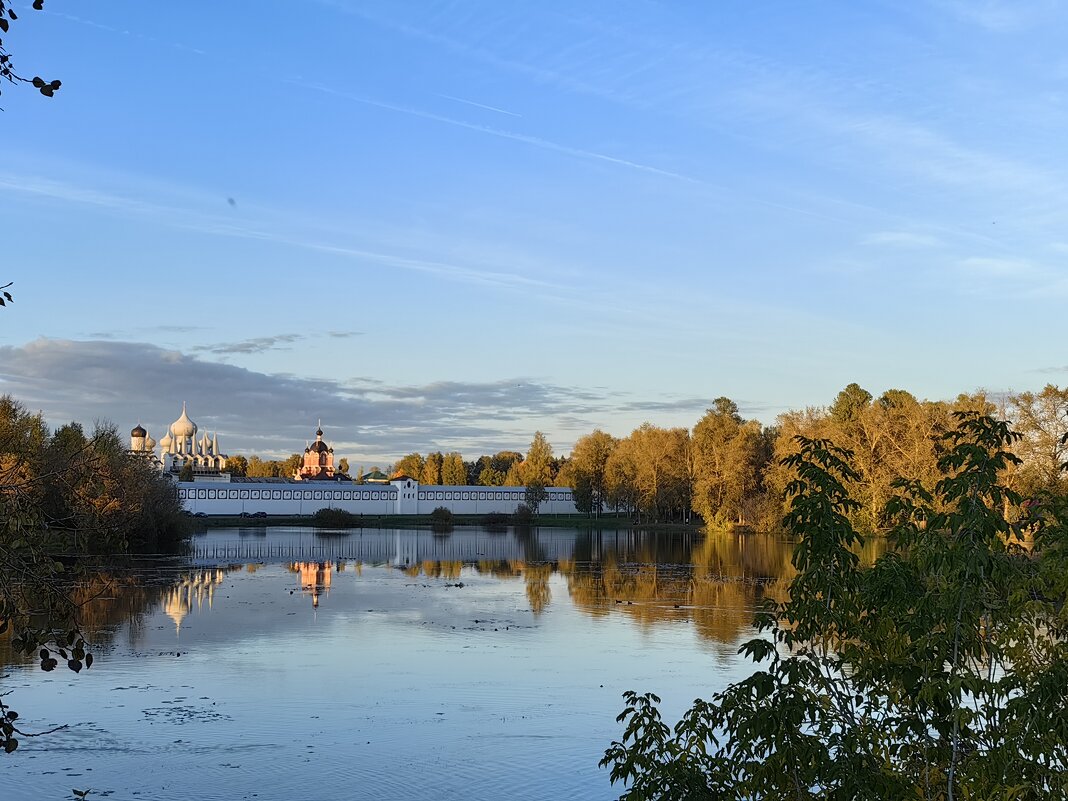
{"x":487,"y":655}
{"x":715,"y":581}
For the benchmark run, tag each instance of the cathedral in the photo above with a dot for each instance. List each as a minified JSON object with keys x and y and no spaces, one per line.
{"x":319,"y":462}
{"x":180,"y":447}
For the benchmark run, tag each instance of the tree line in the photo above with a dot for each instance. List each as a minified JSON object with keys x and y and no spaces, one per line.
{"x":727,"y":470}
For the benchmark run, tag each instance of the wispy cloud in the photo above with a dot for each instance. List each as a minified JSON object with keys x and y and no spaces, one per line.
{"x":480,"y":105}
{"x":174,"y":216}
{"x":1001,"y":268}
{"x":248,"y":346}
{"x":534,"y":141}
{"x":1001,"y":16}
{"x":903,"y":239}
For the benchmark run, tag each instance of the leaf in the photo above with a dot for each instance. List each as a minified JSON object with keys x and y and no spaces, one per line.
{"x":38,"y":81}
{"x":38,"y":4}
{"x":74,"y":665}
{"x":4,"y":25}
{"x":88,"y":660}
{"x":11,"y":744}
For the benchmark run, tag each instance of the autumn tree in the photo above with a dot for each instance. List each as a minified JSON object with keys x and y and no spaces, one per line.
{"x":1041,"y":419}
{"x":729,"y":455}
{"x":453,"y":471}
{"x":648,"y":473}
{"x":537,"y":467}
{"x":588,"y":468}
{"x":237,"y":465}
{"x":514,"y":476}
{"x":410,"y":465}
{"x":431,"y":473}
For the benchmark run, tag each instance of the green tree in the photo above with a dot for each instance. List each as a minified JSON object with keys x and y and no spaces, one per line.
{"x":453,"y":471}
{"x":535,"y":495}
{"x":343,"y":466}
{"x":849,"y":403}
{"x":186,"y":473}
{"x":493,"y":478}
{"x":939,"y":672}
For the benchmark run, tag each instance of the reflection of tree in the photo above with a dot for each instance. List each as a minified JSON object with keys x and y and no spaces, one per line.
{"x":655,"y":578}
{"x":536,"y":578}
{"x":499,"y":568}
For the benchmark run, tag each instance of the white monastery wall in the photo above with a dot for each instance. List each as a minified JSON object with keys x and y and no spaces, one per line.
{"x":398,"y":498}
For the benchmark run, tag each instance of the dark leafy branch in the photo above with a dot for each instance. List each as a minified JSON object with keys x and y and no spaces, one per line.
{"x":7,"y":66}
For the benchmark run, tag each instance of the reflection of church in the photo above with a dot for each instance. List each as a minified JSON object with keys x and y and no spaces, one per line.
{"x":196,"y":588}
{"x":314,"y":578}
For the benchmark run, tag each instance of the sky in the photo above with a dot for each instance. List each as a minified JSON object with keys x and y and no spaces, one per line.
{"x":445,"y":225}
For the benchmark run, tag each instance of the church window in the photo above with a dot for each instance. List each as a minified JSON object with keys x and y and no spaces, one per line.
{"x":482,"y":496}
{"x":318,"y":496}
{"x":211,"y":495}
{"x":466,"y":496}
{"x":202,"y":494}
{"x":276,"y":495}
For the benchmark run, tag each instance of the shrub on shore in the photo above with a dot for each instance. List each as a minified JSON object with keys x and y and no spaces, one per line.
{"x":337,"y":518}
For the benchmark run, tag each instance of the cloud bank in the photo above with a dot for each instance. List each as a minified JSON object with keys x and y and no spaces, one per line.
{"x":265,"y":413}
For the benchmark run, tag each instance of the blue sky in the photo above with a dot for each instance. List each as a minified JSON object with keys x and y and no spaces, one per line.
{"x":446,"y":225}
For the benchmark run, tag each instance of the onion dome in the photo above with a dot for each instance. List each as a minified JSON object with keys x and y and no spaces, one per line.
{"x":183,"y":426}
{"x":138,"y":431}
{"x":167,"y":441}
{"x":149,"y":443}
{"x":318,"y":447}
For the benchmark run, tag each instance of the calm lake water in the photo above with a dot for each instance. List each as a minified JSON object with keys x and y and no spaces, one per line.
{"x":300,"y":664}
